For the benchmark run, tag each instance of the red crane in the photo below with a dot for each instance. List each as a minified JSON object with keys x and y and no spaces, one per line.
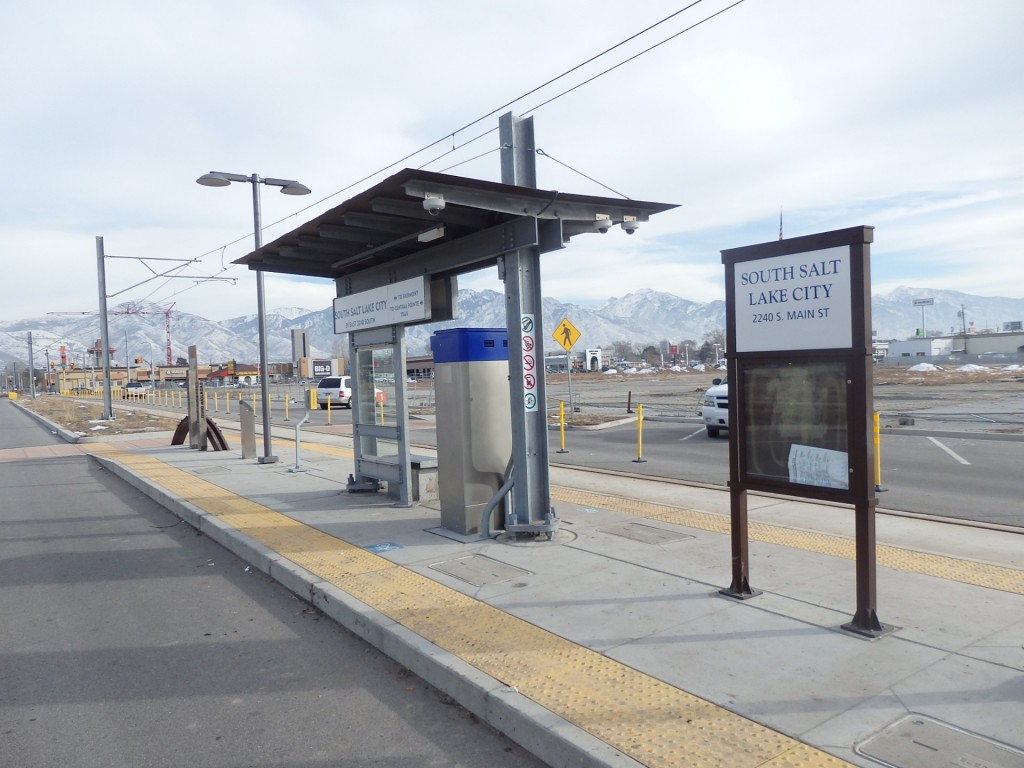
{"x":130,"y":310}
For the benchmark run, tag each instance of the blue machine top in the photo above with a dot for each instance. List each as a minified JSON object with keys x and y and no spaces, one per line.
{"x":462,"y":345}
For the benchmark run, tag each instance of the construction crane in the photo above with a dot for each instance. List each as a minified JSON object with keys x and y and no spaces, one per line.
{"x":131,"y":310}
{"x":166,"y":312}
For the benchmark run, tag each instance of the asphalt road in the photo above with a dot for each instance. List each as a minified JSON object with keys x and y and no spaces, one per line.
{"x":965,"y":476}
{"x":129,"y":639}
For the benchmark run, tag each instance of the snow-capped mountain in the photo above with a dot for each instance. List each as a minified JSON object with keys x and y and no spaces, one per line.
{"x":641,"y":318}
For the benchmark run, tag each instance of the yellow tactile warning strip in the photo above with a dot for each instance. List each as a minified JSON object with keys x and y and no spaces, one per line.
{"x":654,"y":723}
{"x":898,"y":558}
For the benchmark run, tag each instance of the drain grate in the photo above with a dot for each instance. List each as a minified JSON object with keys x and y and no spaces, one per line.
{"x":647,"y":534}
{"x":479,"y":570}
{"x":915,"y":741}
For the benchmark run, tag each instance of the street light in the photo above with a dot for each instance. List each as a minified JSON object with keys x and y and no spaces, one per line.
{"x":288,"y":187}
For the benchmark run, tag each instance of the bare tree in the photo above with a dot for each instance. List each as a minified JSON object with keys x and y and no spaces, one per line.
{"x":623,"y":349}
{"x":651,"y":356}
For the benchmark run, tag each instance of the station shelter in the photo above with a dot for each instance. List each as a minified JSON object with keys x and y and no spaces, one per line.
{"x":395,"y":253}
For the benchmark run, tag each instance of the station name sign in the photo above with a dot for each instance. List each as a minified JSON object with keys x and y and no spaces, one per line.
{"x":399,"y":303}
{"x":797,"y":301}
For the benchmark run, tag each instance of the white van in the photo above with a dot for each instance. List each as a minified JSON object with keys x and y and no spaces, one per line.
{"x":336,"y":389}
{"x":715,"y":410}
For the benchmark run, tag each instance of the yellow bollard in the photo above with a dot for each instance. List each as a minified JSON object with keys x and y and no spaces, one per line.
{"x":561,"y":426}
{"x":286,"y":399}
{"x":312,"y":399}
{"x":253,"y":400}
{"x":639,"y":436}
{"x":227,"y":402}
{"x":328,"y":410}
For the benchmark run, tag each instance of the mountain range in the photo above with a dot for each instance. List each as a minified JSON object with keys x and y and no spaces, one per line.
{"x":641,"y":318}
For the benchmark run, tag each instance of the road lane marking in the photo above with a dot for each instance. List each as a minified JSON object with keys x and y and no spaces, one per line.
{"x":700,"y":431}
{"x":951,"y":452}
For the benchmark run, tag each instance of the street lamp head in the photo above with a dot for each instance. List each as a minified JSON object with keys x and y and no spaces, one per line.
{"x":213,"y":179}
{"x":295,"y":188}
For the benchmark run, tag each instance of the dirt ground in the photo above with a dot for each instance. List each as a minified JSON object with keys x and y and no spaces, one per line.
{"x":950,"y":393}
{"x":84,"y":417}
{"x":897,"y":392}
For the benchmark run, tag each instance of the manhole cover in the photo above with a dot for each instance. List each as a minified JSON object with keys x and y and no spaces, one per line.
{"x":648,"y":534}
{"x":915,"y":741}
{"x":479,"y":570}
{"x":210,"y":470}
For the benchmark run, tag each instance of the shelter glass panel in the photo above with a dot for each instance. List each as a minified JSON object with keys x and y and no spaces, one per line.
{"x":375,"y":401}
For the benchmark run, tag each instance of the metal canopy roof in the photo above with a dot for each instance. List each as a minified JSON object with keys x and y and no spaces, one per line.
{"x":385,"y":234}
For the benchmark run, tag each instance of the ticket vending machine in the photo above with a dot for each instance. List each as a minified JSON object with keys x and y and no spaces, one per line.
{"x":474,"y":432}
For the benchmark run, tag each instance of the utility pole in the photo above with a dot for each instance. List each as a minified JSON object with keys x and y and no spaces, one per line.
{"x":31,"y":369}
{"x":101,"y":274}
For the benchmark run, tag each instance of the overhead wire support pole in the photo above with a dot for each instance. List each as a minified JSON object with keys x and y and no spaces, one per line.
{"x":101,"y":273}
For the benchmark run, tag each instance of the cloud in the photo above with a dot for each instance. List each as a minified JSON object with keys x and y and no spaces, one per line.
{"x":902,"y":115}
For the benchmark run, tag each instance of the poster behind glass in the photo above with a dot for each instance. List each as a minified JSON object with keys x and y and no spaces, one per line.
{"x":795,"y":421}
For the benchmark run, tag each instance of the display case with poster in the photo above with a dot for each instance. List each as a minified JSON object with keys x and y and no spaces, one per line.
{"x":795,"y":422}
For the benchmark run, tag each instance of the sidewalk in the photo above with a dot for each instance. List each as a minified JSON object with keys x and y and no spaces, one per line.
{"x":610,"y":645}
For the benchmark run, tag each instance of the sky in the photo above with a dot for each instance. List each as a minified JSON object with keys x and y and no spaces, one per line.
{"x":905,"y":115}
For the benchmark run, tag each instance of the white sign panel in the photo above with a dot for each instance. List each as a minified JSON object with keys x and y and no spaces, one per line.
{"x":818,"y":466}
{"x":799,"y":301}
{"x":398,"y":303}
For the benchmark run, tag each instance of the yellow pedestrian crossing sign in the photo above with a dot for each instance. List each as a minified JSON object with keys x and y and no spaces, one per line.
{"x":566,"y":334}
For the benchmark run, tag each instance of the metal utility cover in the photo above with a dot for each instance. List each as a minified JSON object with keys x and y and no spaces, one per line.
{"x":480,"y":571}
{"x":915,"y":741}
{"x":648,"y":534}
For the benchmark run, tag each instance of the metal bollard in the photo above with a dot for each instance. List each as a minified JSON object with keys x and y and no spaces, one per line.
{"x":639,"y":436}
{"x":561,"y":426}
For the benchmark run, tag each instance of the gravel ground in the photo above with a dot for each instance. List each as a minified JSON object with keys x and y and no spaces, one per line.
{"x":991,"y":399}
{"x":84,"y":417}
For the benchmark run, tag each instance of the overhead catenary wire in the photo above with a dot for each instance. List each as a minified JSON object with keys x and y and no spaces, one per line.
{"x":453,"y":134}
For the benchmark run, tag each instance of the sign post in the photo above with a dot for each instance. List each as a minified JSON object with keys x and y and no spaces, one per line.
{"x":567,"y":335}
{"x":798,"y":330}
{"x":922,"y":303}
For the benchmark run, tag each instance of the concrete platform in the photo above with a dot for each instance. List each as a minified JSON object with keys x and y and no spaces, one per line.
{"x":610,"y":645}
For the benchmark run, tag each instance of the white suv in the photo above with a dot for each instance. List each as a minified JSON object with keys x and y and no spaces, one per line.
{"x":716,"y":407}
{"x":136,"y":389}
{"x":337,"y":388}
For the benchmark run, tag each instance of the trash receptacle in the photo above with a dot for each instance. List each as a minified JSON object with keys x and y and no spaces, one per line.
{"x":474,"y":423}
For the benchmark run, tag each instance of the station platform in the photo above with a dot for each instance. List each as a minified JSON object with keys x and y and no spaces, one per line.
{"x":611,"y":645}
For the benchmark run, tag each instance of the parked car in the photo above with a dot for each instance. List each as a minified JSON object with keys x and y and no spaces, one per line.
{"x":136,"y":389}
{"x":715,"y":410}
{"x":337,"y":388}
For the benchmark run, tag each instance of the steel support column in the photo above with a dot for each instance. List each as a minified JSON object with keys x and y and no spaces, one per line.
{"x":531,"y":510}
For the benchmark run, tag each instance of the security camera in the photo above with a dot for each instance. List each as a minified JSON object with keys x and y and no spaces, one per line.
{"x":433,"y":203}
{"x":602,"y":222}
{"x":630,"y":224}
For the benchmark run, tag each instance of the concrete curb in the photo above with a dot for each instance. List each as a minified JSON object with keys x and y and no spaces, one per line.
{"x":530,"y":725}
{"x":65,"y":434}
